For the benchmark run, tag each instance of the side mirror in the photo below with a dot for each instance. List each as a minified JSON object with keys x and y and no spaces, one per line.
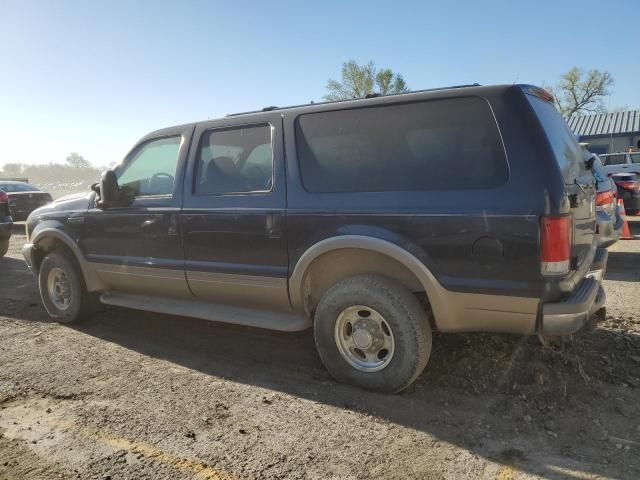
{"x":108,"y":191}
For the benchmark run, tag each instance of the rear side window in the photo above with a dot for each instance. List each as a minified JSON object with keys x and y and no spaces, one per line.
{"x":435,"y":145}
{"x":615,"y":159}
{"x":635,"y":157}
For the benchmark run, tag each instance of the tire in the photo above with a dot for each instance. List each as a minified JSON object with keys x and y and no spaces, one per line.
{"x":4,"y":247}
{"x":74,"y":290}
{"x":346,"y":303}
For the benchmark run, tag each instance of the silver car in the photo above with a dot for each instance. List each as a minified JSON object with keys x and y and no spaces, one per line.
{"x":623,"y":162}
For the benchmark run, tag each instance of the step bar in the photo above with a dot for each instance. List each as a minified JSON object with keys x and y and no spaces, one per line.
{"x":285,"y":322}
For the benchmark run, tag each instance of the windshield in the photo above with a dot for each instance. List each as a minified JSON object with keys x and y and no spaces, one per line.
{"x":17,"y":187}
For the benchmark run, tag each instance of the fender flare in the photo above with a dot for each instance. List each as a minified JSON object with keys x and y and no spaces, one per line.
{"x":435,"y":291}
{"x":91,"y":279}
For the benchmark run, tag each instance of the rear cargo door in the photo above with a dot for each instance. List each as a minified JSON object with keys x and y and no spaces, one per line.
{"x":578,"y":179}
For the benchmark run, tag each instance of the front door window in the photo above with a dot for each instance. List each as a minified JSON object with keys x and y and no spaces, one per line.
{"x":152,"y":169}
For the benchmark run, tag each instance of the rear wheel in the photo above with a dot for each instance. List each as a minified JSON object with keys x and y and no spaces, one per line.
{"x":4,"y":247}
{"x":62,"y":288}
{"x":372,"y":332}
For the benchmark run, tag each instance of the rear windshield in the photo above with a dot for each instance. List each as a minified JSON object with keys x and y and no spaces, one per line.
{"x":567,"y":151}
{"x":17,"y":187}
{"x":614,"y":159}
{"x":435,"y":145}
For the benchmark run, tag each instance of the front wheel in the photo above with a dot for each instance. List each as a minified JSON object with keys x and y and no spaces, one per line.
{"x":373,"y":333}
{"x":62,"y":289}
{"x":4,"y":247}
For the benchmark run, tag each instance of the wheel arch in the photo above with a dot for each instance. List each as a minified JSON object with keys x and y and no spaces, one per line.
{"x":335,"y":258}
{"x":49,"y":238}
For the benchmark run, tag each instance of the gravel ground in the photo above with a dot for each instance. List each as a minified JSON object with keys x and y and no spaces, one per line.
{"x":141,"y":396}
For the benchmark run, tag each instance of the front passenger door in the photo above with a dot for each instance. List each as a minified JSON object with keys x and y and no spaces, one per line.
{"x":137,"y":248}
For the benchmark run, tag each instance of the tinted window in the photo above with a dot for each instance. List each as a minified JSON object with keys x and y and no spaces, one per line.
{"x":566,"y":149}
{"x":235,"y":160}
{"x":152,"y":169}
{"x":614,"y":159}
{"x":442,"y":144}
{"x":17,"y":187}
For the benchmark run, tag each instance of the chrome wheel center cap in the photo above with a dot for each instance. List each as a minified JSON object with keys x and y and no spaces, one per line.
{"x":362,"y":338}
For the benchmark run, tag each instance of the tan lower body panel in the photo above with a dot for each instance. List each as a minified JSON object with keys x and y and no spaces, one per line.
{"x":143,"y":280}
{"x":471,"y":312}
{"x":249,"y":291}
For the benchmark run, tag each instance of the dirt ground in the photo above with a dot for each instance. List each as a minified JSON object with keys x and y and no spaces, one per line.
{"x":131,"y":395}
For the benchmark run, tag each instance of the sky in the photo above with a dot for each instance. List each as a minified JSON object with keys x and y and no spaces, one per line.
{"x":95,"y":76}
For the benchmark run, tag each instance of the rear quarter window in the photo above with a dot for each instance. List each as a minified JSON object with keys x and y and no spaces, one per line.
{"x":433,"y":145}
{"x":567,"y":152}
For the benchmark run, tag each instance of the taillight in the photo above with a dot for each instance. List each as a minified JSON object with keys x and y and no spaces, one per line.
{"x":606,"y":202}
{"x":4,"y":198}
{"x":629,"y":184}
{"x":555,"y":245}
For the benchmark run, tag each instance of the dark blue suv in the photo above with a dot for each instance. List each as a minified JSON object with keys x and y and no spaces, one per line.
{"x":375,"y":221}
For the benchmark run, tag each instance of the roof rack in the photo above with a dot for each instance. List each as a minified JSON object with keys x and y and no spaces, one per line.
{"x":368,"y":96}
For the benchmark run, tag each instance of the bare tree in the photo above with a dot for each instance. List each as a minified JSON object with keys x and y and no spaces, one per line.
{"x":358,"y":81}
{"x":12,"y":169}
{"x":580,"y":92}
{"x":77,"y":161}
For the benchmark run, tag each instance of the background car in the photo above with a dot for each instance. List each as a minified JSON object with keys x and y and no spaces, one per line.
{"x":6,"y":223}
{"x":623,"y":162}
{"x":608,"y":219}
{"x":628,"y":185}
{"x":24,"y":198}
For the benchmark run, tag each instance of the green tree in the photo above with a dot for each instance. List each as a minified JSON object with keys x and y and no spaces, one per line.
{"x":580,"y":92}
{"x":77,"y":161}
{"x":358,"y":81}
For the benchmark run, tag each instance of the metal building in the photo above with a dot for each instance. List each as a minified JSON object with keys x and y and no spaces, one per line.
{"x":608,"y":132}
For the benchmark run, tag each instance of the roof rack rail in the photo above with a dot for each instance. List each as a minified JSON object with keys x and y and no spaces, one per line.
{"x":368,"y":96}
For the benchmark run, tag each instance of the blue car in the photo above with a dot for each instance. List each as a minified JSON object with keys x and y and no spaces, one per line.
{"x":608,"y":220}
{"x":373,"y":221}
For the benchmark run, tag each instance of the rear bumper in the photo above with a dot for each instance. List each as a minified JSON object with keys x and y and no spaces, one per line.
{"x":574,"y":312}
{"x":608,"y":230}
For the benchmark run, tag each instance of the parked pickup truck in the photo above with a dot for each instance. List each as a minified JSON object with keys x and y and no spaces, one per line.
{"x":374,"y":221}
{"x":623,"y":162}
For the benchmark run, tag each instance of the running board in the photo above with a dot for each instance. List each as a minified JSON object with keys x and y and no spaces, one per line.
{"x":285,"y":322}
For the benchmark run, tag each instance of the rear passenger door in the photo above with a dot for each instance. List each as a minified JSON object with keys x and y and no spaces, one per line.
{"x":233,"y":215}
